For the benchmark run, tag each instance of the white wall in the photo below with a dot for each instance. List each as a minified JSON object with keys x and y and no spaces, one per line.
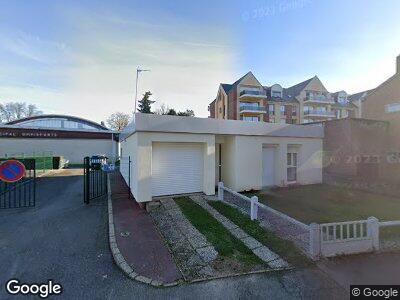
{"x":242,"y":161}
{"x":139,"y":146}
{"x":72,"y":149}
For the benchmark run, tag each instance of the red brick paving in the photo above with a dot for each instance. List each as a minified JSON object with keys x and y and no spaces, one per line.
{"x":143,"y":249}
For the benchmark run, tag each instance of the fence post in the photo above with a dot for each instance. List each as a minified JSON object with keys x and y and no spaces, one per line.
{"x":315,"y":241}
{"x":129,"y":175}
{"x":220,"y":191}
{"x":87,"y":179}
{"x":254,"y":208}
{"x":373,"y":232}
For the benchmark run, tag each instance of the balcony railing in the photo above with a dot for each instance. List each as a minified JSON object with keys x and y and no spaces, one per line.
{"x":319,"y":113}
{"x":252,"y":93}
{"x":319,"y":99}
{"x":252,"y":108}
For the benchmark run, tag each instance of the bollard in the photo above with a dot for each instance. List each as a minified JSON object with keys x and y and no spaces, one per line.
{"x":254,"y":208}
{"x":220,"y":191}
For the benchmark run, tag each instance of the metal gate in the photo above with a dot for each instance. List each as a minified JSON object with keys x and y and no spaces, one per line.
{"x":21,"y":193}
{"x":95,"y":179}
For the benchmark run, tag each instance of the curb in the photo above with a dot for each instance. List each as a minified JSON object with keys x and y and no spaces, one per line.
{"x":119,"y":258}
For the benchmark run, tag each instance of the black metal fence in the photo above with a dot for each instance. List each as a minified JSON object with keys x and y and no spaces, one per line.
{"x":21,"y":193}
{"x":95,"y":179}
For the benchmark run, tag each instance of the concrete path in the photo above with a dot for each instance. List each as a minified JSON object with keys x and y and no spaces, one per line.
{"x":193,"y":253}
{"x":272,"y":259}
{"x":137,"y":237}
{"x":67,"y":241}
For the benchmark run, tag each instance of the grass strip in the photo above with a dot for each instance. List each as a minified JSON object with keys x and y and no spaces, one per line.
{"x":284,"y":248}
{"x":224,"y":242}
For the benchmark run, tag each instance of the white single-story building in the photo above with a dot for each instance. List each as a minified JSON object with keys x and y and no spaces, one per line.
{"x":176,"y":155}
{"x":57,"y":135}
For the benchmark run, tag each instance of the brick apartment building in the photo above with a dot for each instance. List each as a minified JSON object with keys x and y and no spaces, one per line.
{"x":306,"y":102}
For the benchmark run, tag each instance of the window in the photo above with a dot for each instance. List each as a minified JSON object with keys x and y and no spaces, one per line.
{"x":294,"y":111}
{"x":292,"y":167}
{"x":276,"y":94}
{"x":271,"y":109}
{"x":393,"y":107}
{"x":345,"y":113}
{"x":282,"y":109}
{"x":250,"y":119}
{"x":342,"y":99}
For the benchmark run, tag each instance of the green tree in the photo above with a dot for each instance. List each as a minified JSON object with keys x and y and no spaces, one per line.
{"x":145,"y":103}
{"x":171,"y":112}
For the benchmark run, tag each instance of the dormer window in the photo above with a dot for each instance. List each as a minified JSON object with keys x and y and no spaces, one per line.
{"x":276,"y":91}
{"x":276,"y":94}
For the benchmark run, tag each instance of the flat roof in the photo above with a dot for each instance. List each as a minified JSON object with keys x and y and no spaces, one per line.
{"x":174,"y":124}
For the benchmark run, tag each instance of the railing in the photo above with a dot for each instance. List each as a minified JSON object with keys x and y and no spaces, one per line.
{"x":283,"y":225}
{"x":255,"y":93}
{"x":326,"y":239}
{"x":253,"y":201}
{"x":332,"y":239}
{"x":252,"y":108}
{"x":389,"y":223}
{"x":319,"y":113}
{"x":319,"y":99}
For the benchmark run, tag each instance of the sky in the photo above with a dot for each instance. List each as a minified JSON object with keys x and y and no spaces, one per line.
{"x":80,"y":57}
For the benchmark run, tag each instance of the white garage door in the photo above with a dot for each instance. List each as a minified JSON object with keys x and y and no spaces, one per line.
{"x":268,"y":166}
{"x":177,"y":168}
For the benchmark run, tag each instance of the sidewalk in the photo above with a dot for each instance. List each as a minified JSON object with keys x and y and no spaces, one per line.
{"x":137,"y":237}
{"x":374,"y":268}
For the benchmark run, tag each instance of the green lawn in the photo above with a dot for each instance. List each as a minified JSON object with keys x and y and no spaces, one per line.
{"x":227,"y":245}
{"x":323,"y":204}
{"x":284,"y":248}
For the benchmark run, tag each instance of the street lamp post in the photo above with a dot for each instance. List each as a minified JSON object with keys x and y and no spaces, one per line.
{"x":138,"y":70}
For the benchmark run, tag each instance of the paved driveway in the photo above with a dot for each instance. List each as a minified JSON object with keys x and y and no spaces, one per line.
{"x":64,"y":240}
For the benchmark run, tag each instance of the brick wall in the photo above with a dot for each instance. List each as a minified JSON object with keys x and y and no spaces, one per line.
{"x":232,"y":104}
{"x":356,"y":152}
{"x":212,"y":109}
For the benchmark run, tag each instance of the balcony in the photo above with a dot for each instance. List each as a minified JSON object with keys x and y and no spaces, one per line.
{"x":321,"y":99}
{"x":319,"y":114}
{"x":252,"y":109}
{"x":252,"y":95}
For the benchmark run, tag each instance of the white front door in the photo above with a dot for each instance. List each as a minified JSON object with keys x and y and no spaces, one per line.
{"x":268,"y":162}
{"x":177,"y":168}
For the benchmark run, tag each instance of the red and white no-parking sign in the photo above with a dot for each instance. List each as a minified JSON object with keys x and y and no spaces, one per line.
{"x":11,"y":170}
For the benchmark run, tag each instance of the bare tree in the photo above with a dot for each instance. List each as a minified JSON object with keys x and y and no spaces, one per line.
{"x":11,"y":111}
{"x":163,"y":110}
{"x":166,"y":110}
{"x":118,"y":121}
{"x":32,"y":110}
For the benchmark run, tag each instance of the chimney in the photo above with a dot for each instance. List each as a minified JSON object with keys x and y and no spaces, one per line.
{"x":398,"y":65}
